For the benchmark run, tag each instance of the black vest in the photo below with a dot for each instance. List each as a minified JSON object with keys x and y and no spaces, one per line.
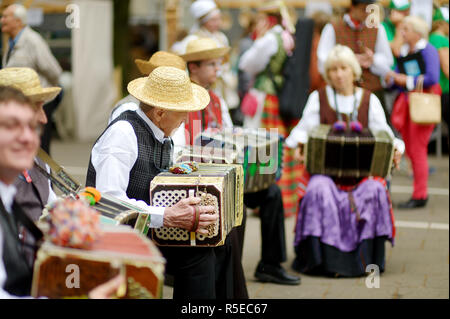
{"x":149,"y":163}
{"x":19,"y":272}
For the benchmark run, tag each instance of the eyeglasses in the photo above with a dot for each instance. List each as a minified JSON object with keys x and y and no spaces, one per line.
{"x":18,"y":128}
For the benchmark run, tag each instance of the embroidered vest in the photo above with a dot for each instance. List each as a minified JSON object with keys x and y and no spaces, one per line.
{"x":329,"y":116}
{"x":357,"y":40}
{"x":153,"y":158}
{"x":209,"y":117}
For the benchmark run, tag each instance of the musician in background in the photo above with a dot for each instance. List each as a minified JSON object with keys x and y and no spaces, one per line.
{"x":136,"y":147}
{"x":203,"y":57}
{"x":329,"y":236}
{"x":159,"y":58}
{"x":34,"y":190}
{"x":369,"y":42}
{"x":418,"y":58}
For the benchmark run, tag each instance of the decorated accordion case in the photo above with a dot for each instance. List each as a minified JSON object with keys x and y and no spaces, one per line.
{"x":260,"y":152}
{"x":62,"y":272}
{"x":348,"y":154}
{"x":218,"y":185}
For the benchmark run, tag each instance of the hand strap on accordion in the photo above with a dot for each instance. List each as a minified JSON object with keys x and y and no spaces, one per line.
{"x":196,"y":218}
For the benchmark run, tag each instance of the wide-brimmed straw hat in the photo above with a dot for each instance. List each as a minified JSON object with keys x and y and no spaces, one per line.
{"x":204,"y":49}
{"x":27,"y":81}
{"x":160,"y":58}
{"x":171,"y":89}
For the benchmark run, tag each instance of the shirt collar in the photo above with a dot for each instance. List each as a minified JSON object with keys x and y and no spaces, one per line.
{"x":159,"y":134}
{"x":12,"y":42}
{"x":350,"y":22}
{"x":420,"y":45}
{"x":7,"y":193}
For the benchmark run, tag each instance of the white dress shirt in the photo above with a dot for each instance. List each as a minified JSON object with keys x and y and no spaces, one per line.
{"x":255,"y":59}
{"x":113,"y":157}
{"x":7,"y":193}
{"x":311,"y":116}
{"x":382,"y":57}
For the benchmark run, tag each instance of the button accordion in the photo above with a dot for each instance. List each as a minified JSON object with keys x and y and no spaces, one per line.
{"x":348,"y":154}
{"x":218,"y":185}
{"x":260,"y":152}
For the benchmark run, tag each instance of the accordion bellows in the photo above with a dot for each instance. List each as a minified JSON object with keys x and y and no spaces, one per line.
{"x":260,"y":152}
{"x":61,"y":272}
{"x":218,"y":185}
{"x":348,"y":154}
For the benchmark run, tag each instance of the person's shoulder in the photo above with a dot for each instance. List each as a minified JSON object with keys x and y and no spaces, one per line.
{"x":438,"y":40}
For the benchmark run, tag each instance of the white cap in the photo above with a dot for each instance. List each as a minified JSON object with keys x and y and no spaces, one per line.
{"x":200,"y":8}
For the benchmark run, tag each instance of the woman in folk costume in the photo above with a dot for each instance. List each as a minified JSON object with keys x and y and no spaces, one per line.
{"x":208,"y":22}
{"x":424,"y":59}
{"x":337,"y":233}
{"x":264,"y":61}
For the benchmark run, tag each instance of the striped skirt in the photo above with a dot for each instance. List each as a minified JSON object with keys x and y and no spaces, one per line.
{"x":292,"y":170}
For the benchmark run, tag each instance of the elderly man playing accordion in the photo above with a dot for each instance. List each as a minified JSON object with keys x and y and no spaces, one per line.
{"x":342,"y":223}
{"x":135,"y":147}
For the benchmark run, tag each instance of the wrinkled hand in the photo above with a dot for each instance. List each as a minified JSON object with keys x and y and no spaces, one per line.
{"x":397,"y":159}
{"x":108,"y":289}
{"x":298,"y":154}
{"x":182,"y":215}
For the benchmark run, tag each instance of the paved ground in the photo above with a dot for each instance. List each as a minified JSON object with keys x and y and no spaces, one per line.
{"x":416,"y":267}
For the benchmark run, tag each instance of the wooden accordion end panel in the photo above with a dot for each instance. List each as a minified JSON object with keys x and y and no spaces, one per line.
{"x":260,"y":152}
{"x":61,"y":272}
{"x":348,"y":154}
{"x":218,"y":185}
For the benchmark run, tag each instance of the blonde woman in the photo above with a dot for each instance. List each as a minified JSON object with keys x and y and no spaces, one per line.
{"x":330,"y":238}
{"x":417,"y":58}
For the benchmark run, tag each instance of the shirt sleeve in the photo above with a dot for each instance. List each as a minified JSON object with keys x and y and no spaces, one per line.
{"x":377,"y":122}
{"x":309,"y":120}
{"x":226,"y":118}
{"x":382,"y":57}
{"x":113,"y":157}
{"x":326,"y":43}
{"x":255,"y":59}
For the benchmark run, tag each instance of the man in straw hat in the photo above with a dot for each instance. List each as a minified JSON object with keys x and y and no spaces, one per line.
{"x":19,"y":141}
{"x":136,"y":147}
{"x":159,"y":58}
{"x":27,"y":48}
{"x":34,"y":190}
{"x":202,"y":57}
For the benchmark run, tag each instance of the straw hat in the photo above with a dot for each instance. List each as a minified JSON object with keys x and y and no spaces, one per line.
{"x":203,"y":49}
{"x":169,"y":88}
{"x":160,"y":58}
{"x":27,"y":81}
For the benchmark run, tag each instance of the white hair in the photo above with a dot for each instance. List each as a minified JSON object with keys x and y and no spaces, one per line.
{"x":20,"y":12}
{"x":342,"y":53}
{"x":418,"y":24}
